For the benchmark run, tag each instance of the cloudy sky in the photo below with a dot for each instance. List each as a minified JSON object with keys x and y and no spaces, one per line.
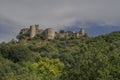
{"x":96,"y":16}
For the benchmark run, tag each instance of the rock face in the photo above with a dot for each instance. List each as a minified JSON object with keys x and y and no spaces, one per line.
{"x":50,"y":33}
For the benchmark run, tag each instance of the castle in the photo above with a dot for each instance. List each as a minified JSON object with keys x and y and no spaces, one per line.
{"x":49,"y":33}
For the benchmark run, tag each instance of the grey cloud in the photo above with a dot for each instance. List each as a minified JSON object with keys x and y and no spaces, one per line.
{"x":59,"y":13}
{"x":8,"y":29}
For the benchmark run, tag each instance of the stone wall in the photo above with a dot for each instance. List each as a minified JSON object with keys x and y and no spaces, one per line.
{"x":32,"y":31}
{"x":50,"y":34}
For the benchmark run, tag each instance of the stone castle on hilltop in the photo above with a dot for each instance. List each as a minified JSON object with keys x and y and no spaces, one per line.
{"x":49,"y":33}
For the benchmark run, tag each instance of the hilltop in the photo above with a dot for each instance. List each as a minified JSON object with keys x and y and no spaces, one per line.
{"x":84,"y":58}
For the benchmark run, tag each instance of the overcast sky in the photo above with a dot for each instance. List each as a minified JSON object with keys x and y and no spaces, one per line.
{"x":59,"y":14}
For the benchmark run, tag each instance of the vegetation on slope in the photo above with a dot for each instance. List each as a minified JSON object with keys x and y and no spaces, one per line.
{"x":75,"y":59}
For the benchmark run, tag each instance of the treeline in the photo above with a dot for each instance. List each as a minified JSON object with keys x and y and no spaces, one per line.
{"x":95,"y":58}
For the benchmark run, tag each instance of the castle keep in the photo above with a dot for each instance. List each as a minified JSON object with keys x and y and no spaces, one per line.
{"x":49,"y":33}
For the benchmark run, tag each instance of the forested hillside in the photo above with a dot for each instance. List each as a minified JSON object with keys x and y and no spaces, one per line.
{"x":95,"y":58}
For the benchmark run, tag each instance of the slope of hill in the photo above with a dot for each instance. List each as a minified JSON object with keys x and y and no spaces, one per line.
{"x":95,"y":58}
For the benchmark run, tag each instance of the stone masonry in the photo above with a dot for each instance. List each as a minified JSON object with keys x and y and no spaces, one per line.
{"x":50,"y":33}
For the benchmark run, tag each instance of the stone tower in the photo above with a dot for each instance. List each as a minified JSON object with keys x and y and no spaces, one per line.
{"x":50,"y":33}
{"x":77,"y":35}
{"x":82,"y":31}
{"x":32,"y":31}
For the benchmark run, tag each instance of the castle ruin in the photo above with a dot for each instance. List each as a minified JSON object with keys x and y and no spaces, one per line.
{"x":49,"y":33}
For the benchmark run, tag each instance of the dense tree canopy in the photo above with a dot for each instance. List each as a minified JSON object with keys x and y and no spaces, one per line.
{"x":96,"y":58}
